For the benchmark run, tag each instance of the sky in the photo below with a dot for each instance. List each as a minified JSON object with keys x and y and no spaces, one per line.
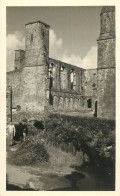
{"x":73,"y":32}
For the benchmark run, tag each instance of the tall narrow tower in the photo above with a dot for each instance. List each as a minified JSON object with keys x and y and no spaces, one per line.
{"x":36,"y":66}
{"x":106,"y":63}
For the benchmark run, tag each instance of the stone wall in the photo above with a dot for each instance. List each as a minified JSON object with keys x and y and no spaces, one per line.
{"x":106,"y":53}
{"x":61,"y":74}
{"x":63,"y":101}
{"x":15,"y":81}
{"x":107,"y":22}
{"x":66,"y":92}
{"x":34,"y":84}
{"x":19,"y":59}
{"x":36,"y":68}
{"x":9,"y":104}
{"x":40,"y":83}
{"x":36,"y":43}
{"x":106,"y":93}
{"x":106,"y":64}
{"x":90,"y":88}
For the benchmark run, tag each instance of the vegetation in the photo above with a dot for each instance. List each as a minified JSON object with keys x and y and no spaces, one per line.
{"x":95,"y":137}
{"x":81,"y":139}
{"x":30,"y":152}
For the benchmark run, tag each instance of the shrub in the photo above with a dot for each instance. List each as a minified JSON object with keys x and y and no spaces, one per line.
{"x":32,"y":151}
{"x":95,"y":137}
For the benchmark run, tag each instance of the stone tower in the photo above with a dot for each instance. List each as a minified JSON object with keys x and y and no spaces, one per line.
{"x":36,"y":67}
{"x":106,"y":63}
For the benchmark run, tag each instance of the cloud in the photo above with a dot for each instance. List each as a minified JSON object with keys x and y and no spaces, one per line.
{"x":71,"y":59}
{"x":88,"y":62}
{"x":55,"y":45}
{"x":17,"y":41}
{"x":57,"y":52}
{"x":14,"y":42}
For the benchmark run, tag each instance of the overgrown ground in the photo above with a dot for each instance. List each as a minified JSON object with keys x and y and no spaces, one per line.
{"x":63,"y":142}
{"x":38,"y":151}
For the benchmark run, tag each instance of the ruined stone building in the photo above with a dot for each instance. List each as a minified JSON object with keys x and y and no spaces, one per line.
{"x":39,"y":83}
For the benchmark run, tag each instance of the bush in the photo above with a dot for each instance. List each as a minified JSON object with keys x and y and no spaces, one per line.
{"x":95,"y":137}
{"x":32,"y":151}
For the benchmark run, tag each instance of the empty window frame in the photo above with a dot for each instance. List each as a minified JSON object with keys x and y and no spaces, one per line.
{"x":89,"y":103}
{"x":73,"y":79}
{"x":31,"y":37}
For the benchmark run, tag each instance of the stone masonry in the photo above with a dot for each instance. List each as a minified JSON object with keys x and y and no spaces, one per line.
{"x":40,"y":83}
{"x":106,"y":64}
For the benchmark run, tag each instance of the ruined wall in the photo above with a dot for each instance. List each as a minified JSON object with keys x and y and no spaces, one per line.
{"x":90,"y":88}
{"x":36,"y":68}
{"x":66,"y":94}
{"x":107,"y":22}
{"x":106,"y":93}
{"x":33,"y":98}
{"x":43,"y":83}
{"x":36,"y":43}
{"x":15,"y":81}
{"x":9,"y":104}
{"x":106,"y":64}
{"x":19,"y":59}
{"x":106,"y":53}
{"x":61,"y":76}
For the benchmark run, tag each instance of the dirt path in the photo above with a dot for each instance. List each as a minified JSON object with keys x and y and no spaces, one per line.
{"x":37,"y":179}
{"x":46,"y":178}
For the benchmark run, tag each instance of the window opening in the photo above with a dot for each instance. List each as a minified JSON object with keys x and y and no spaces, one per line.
{"x":89,"y":103}
{"x":62,"y":68}
{"x":73,"y":79}
{"x":31,"y":37}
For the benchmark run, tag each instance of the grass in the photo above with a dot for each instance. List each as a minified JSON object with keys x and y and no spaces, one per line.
{"x":95,"y":137}
{"x":29,"y":152}
{"x":65,"y":141}
{"x":37,"y":151}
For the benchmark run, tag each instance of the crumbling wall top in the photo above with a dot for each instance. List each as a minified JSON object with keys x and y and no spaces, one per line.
{"x":38,"y":22}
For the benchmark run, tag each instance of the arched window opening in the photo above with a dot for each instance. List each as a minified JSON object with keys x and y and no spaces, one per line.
{"x":63,"y":77}
{"x":50,"y":70}
{"x":50,"y":73}
{"x":73,"y":79}
{"x":62,"y":68}
{"x":89,"y":103}
{"x":51,"y":65}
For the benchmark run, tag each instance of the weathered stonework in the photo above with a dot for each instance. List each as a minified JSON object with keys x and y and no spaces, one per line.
{"x":106,"y":64}
{"x":106,"y":53}
{"x":19,"y":59}
{"x":9,"y":104}
{"x":106,"y":93}
{"x":41,"y":84}
{"x":15,"y":81}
